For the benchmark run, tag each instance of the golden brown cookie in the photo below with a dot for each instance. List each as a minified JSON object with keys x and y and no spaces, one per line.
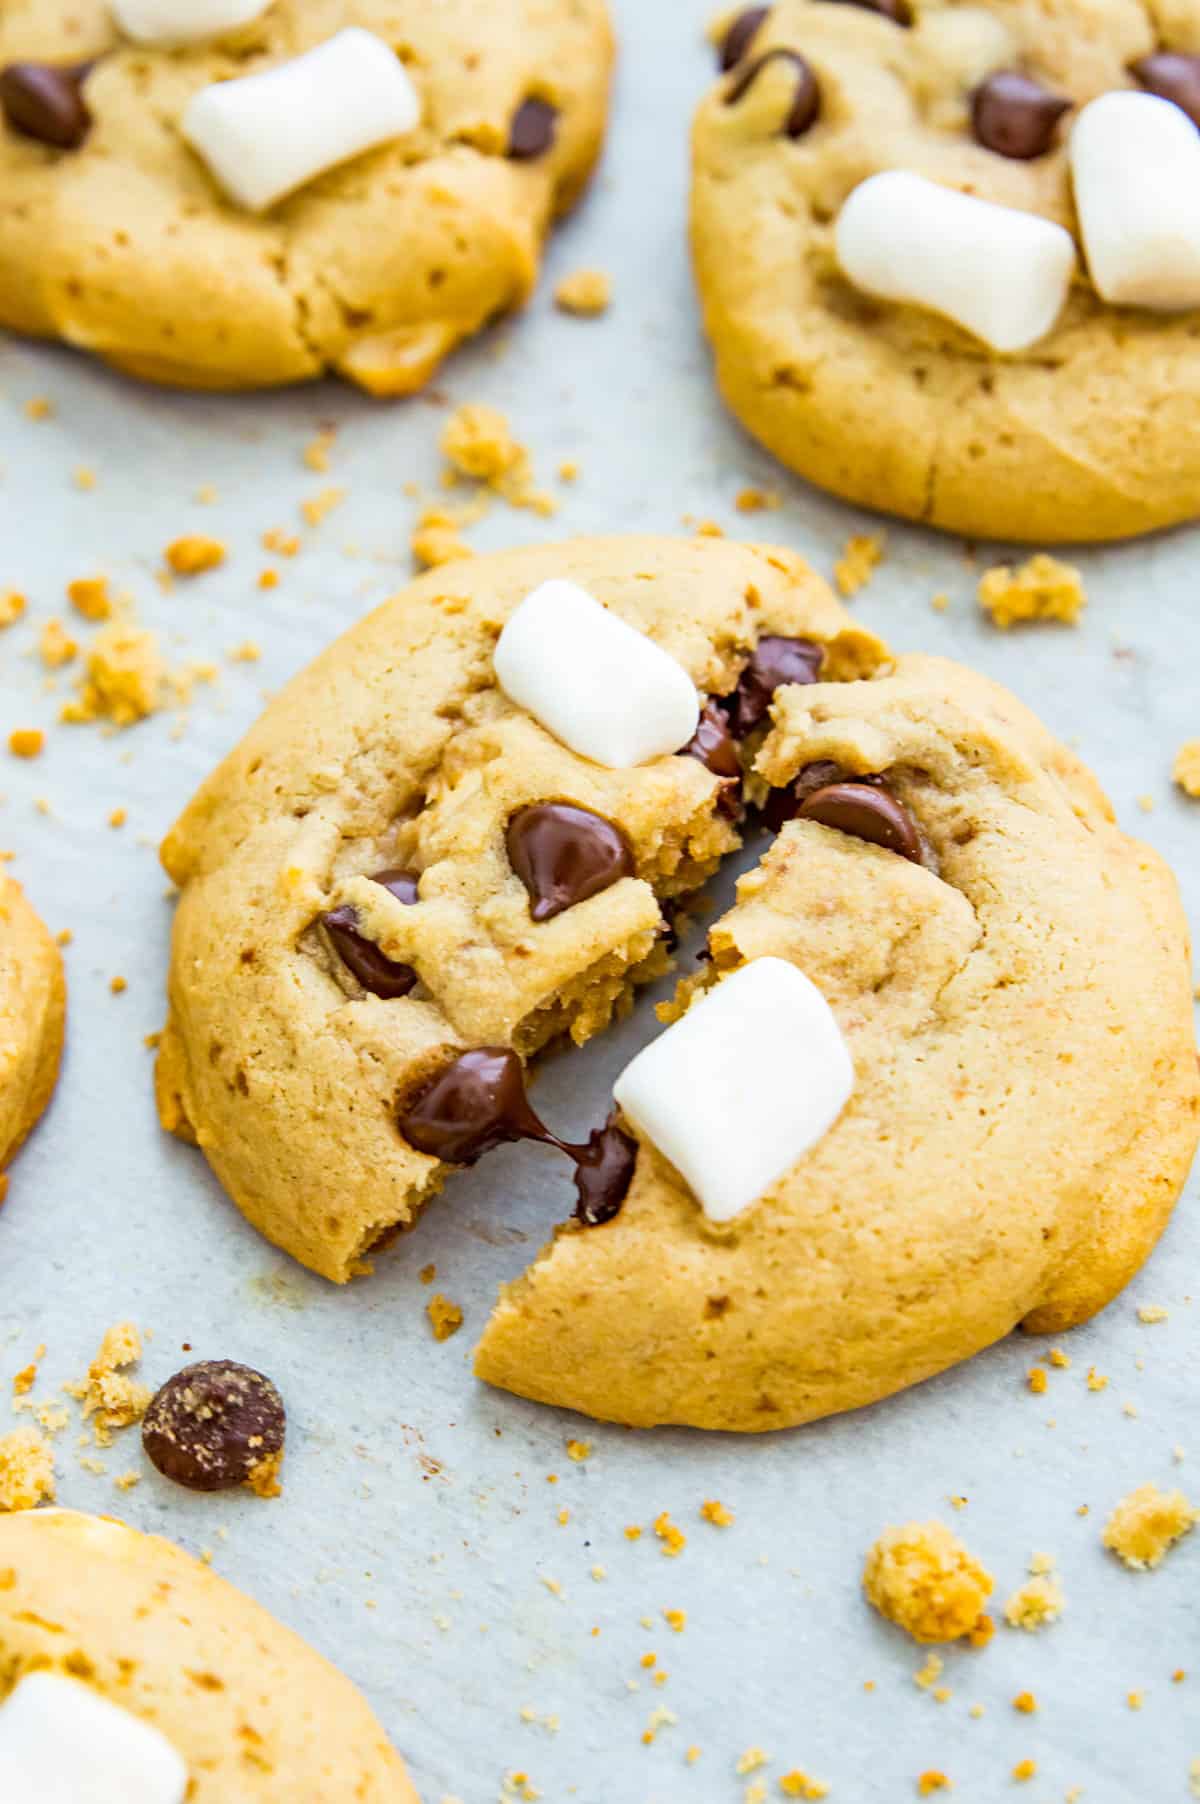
{"x":33,"y":1002}
{"x":124,"y":244}
{"x":1091,"y":433}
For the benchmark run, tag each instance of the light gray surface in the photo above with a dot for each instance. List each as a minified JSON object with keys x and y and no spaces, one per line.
{"x":426,"y":1583}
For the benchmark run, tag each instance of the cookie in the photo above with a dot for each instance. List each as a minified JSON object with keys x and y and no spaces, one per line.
{"x":929,"y":243}
{"x":33,"y":1002}
{"x":212,"y":1682}
{"x":380,"y":208}
{"x":905,"y":1129}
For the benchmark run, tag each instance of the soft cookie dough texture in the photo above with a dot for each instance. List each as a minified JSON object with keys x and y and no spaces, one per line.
{"x":1093,"y":433}
{"x":254,"y":1712}
{"x":1019,"y":1017}
{"x":33,"y":1001}
{"x":127,"y":247}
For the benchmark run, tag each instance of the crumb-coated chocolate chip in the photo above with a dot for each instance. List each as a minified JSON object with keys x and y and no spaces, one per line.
{"x":382,"y":976}
{"x":1016,"y":116}
{"x":214,"y":1425}
{"x":741,"y":33}
{"x":533,"y":129}
{"x":898,"y":11}
{"x":775,"y":662}
{"x":1172,"y":75}
{"x":805,"y":109}
{"x":867,"y":811}
{"x":45,"y":101}
{"x":563,"y":854}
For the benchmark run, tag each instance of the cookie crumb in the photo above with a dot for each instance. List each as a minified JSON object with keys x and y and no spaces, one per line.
{"x":930,"y":1673}
{"x":1152,"y":1312}
{"x":1146,"y":1524}
{"x":445,"y":1317}
{"x":676,"y":1620}
{"x":579,"y":1451}
{"x":1186,"y":769}
{"x":923,"y":1578}
{"x":1035,"y":1604}
{"x":118,"y":985}
{"x":1059,"y":1360}
{"x":118,"y":817}
{"x":427,"y":1274}
{"x":84,"y":477}
{"x":673,"y":1539}
{"x":40,"y":407}
{"x":757,"y":501}
{"x":318,"y":507}
{"x":930,"y":1782}
{"x":12,"y":606}
{"x":1026,"y":1703}
{"x":939,"y":602}
{"x":586,"y":292}
{"x":477,"y":443}
{"x":89,"y":596}
{"x":284,"y":544}
{"x":193,"y":554}
{"x":26,"y":1470}
{"x":114,"y":1400}
{"x":1038,"y":1380}
{"x":798,"y":1785}
{"x":315,"y":455}
{"x":716,"y":1513}
{"x":751,"y":1761}
{"x":857,"y":564}
{"x":1096,"y":1381}
{"x":1043,"y":588}
{"x":1024,"y":1769}
{"x":124,"y":679}
{"x":55,"y":645}
{"x":436,"y":539}
{"x":26,"y":742}
{"x":125,"y":1481}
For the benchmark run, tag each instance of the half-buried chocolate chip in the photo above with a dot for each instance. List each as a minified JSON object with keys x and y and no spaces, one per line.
{"x":214,"y":1425}
{"x":867,"y":811}
{"x":45,"y":101}
{"x":740,"y":35}
{"x":381,"y":975}
{"x":713,"y":746}
{"x":1172,"y":75}
{"x":805,"y":109}
{"x":1016,"y":116}
{"x":776,"y":662}
{"x":533,"y":129}
{"x":563,"y":854}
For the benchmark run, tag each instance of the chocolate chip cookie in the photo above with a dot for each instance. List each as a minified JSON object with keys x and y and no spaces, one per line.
{"x":33,"y":1002}
{"x":392,"y":173}
{"x":925,"y":287}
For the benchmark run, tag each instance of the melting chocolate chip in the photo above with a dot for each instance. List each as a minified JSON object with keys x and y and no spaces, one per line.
{"x":741,"y":33}
{"x":563,"y":854}
{"x":868,"y":811}
{"x":713,"y":746}
{"x":1016,"y":116}
{"x":478,"y":1102}
{"x":533,"y":129}
{"x":898,"y":11}
{"x":775,"y":661}
{"x":45,"y":101}
{"x":1172,"y":76}
{"x":782,"y":804}
{"x":214,"y":1425}
{"x":806,"y":98}
{"x":381,"y":975}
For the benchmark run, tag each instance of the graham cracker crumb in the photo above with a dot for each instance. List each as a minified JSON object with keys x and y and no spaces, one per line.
{"x":55,"y":645}
{"x":1186,"y":769}
{"x":798,"y":1785}
{"x":114,"y":1400}
{"x":26,"y":742}
{"x":445,"y":1317}
{"x":922,"y":1578}
{"x":12,"y":606}
{"x":26,"y":1470}
{"x":856,"y":566}
{"x":586,"y":291}
{"x":89,"y":596}
{"x":716,"y":1513}
{"x":1043,"y":588}
{"x":263,"y":1479}
{"x":124,"y":680}
{"x":673,"y":1539}
{"x":1146,"y":1524}
{"x":193,"y":554}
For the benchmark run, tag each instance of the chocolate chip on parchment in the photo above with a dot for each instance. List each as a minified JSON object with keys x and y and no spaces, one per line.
{"x":740,"y":34}
{"x":1016,"y":116}
{"x":563,"y":854}
{"x":775,"y":661}
{"x":1172,"y":75}
{"x":533,"y":129}
{"x":214,"y":1425}
{"x":806,"y":97}
{"x":867,"y":811}
{"x":45,"y":101}
{"x":382,"y":976}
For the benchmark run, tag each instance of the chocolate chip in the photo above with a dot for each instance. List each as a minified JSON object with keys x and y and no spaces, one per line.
{"x":1172,"y":76}
{"x":604,"y":1172}
{"x":1016,"y":116}
{"x":898,"y":11}
{"x":868,"y":811}
{"x":45,"y":101}
{"x":741,"y":33}
{"x":214,"y":1425}
{"x":713,"y":746}
{"x":381,"y":975}
{"x":533,"y":129}
{"x":563,"y":854}
{"x":806,"y":98}
{"x":782,"y":804}
{"x":775,"y":661}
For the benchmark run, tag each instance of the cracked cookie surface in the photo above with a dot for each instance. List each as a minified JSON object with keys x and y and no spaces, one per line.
{"x":1093,"y":433}
{"x":33,"y":1001}
{"x":255,"y":1713}
{"x":125,"y":246}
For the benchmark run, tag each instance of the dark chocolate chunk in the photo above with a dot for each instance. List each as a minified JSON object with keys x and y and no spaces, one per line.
{"x":604,"y":1171}
{"x":533,"y":129}
{"x":775,"y":661}
{"x":713,"y":746}
{"x":740,"y":35}
{"x":1016,"y":116}
{"x":868,"y":811}
{"x":898,"y":11}
{"x":214,"y":1425}
{"x":1172,"y":76}
{"x":381,"y":975}
{"x":563,"y":854}
{"x":806,"y":97}
{"x":45,"y":101}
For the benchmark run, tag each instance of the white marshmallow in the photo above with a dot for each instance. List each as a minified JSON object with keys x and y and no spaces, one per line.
{"x":738,"y":1090}
{"x":62,"y":1743}
{"x":1001,"y":273}
{"x":265,"y":135}
{"x":1136,"y":163}
{"x":599,"y":685}
{"x":183,"y":21}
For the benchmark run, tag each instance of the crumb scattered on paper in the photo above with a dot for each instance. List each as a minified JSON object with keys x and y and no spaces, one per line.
{"x":1044,"y":588}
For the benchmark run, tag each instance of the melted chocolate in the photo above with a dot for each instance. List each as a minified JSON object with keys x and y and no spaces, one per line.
{"x":740,"y":36}
{"x":867,"y":811}
{"x":563,"y":854}
{"x":775,"y":661}
{"x":713,"y":746}
{"x":805,"y":109}
{"x":382,"y":976}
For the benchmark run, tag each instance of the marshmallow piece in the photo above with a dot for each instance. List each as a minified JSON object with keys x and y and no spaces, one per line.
{"x":738,"y":1090}
{"x":172,"y":22}
{"x":265,"y":135}
{"x":1001,"y":273}
{"x":63,"y":1743}
{"x":599,"y":685}
{"x":1136,"y":163}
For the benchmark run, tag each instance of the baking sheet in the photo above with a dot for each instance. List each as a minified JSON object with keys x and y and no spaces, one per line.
{"x":417,"y":1540}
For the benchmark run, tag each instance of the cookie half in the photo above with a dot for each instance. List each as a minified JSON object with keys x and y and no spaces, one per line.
{"x":33,"y":1003}
{"x":118,"y":237}
{"x":1091,"y":431}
